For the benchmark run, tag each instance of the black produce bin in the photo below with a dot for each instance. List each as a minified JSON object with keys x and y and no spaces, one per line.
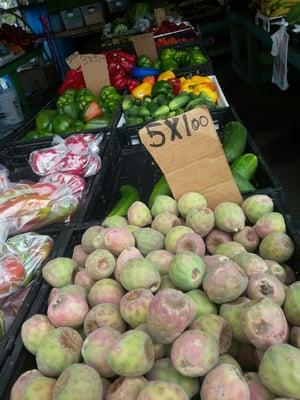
{"x":15,"y":157}
{"x":264,"y":178}
{"x":8,"y":342}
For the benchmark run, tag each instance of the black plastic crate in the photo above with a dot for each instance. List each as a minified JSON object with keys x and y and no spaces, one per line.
{"x":15,"y":157}
{"x":7,"y":343}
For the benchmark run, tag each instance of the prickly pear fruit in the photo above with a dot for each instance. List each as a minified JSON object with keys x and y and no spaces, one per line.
{"x":163,"y":370}
{"x":83,"y":279}
{"x":279,"y":370}
{"x":106,"y":291}
{"x":134,"y":306}
{"x":162,"y":391}
{"x":250,"y":263}
{"x":104,"y":315}
{"x":201,"y":220}
{"x":194,"y":353}
{"x":276,"y":246}
{"x":164,"y":204}
{"x":218,"y":328}
{"x":170,"y":313}
{"x":232,"y":313}
{"x":266,"y":286}
{"x":95,"y":349}
{"x":221,"y":291}
{"x":132,"y":354}
{"x":139,"y":215}
{"x":191,"y":200}
{"x":131,"y":253}
{"x":229,"y":217}
{"x":79,"y":256}
{"x":203,"y":305}
{"x":164,"y":222}
{"x":137,"y":274}
{"x":264,"y":323}
{"x":292,"y":304}
{"x":215,"y":238}
{"x":32,"y":385}
{"x":105,"y":386}
{"x":248,"y":238}
{"x":162,"y":260}
{"x":276,"y":270}
{"x":173,"y":235}
{"x":230,"y":249}
{"x":77,"y":382}
{"x":57,"y":350}
{"x":213,"y":260}
{"x":290,"y":276}
{"x":268,"y":223}
{"x":59,"y":271}
{"x":160,"y":350}
{"x":257,"y":389}
{"x":67,"y":309}
{"x":100,"y":264}
{"x":187,"y":271}
{"x":117,"y":239}
{"x":115,"y":221}
{"x":87,"y":240}
{"x":148,"y":239}
{"x":33,"y":331}
{"x":190,"y":242}
{"x":166,"y":283}
{"x":225,"y":382}
{"x":256,"y":206}
{"x":126,"y":388}
{"x":98,"y":241}
{"x":295,"y":336}
{"x":228,"y":359}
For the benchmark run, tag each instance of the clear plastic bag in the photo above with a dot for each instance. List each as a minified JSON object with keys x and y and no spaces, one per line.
{"x":26,"y":207}
{"x":74,"y":182}
{"x":78,"y":155}
{"x":20,"y":258}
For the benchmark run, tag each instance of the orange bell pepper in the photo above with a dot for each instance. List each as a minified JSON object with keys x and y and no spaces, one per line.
{"x":165,"y":76}
{"x":150,"y":79}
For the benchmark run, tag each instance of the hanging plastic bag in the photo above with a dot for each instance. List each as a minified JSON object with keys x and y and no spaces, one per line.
{"x":280,"y":53}
{"x":78,"y":155}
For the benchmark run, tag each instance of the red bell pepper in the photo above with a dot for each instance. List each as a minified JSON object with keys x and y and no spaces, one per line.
{"x":74,"y":80}
{"x":131,"y":84}
{"x":176,"y":84}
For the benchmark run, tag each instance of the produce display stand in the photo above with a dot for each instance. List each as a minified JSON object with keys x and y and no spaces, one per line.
{"x":11,"y":70}
{"x":249,"y":68}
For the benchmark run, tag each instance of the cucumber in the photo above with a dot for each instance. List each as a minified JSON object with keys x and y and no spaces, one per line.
{"x":179,"y":101}
{"x":234,"y":142}
{"x":161,"y":188}
{"x":143,"y":112}
{"x":246,"y":166}
{"x":161,"y":112}
{"x":242,"y":184}
{"x":133,"y":121}
{"x":194,"y":103}
{"x":129,"y":195}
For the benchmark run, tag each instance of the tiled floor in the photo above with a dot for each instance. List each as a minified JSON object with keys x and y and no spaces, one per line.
{"x":273,"y":119}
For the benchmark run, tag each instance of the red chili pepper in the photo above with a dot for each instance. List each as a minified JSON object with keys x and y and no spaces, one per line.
{"x":175,"y":82}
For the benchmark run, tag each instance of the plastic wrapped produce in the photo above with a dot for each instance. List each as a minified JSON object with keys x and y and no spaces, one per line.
{"x":74,"y":182}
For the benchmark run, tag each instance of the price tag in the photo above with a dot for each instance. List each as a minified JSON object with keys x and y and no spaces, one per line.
{"x":144,"y":45}
{"x":160,"y":15}
{"x":95,"y":71}
{"x":73,"y":60}
{"x":189,"y":153}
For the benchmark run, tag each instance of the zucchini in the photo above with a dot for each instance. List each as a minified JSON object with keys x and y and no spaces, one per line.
{"x":179,"y":101}
{"x":161,"y":112}
{"x":162,"y":99}
{"x":133,"y":121}
{"x":246,"y":166}
{"x":152,"y":107}
{"x":234,"y":142}
{"x":194,"y":103}
{"x":143,"y":112}
{"x":161,"y":188}
{"x":147,"y":99}
{"x":242,"y":184}
{"x":133,"y":111}
{"x":179,"y":111}
{"x":129,"y":195}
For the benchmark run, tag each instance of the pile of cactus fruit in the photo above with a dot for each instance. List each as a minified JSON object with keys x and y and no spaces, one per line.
{"x":177,"y":302}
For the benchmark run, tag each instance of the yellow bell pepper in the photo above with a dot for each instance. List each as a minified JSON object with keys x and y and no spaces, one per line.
{"x":197,"y":79}
{"x":188,"y":86}
{"x":182,"y":80}
{"x":164,"y":76}
{"x":209,"y":92}
{"x":199,"y":84}
{"x":142,"y":90}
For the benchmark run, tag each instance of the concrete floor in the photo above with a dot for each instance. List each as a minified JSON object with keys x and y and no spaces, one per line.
{"x":272,"y":118}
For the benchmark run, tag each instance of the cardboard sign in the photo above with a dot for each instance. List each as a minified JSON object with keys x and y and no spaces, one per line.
{"x":144,"y":44}
{"x":95,"y":71}
{"x":189,"y":153}
{"x":160,"y":15}
{"x":73,"y":60}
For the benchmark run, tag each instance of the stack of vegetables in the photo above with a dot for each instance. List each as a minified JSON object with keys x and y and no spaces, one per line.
{"x":167,"y":97}
{"x":77,"y":110}
{"x":172,"y":59}
{"x":172,"y":41}
{"x":279,"y":8}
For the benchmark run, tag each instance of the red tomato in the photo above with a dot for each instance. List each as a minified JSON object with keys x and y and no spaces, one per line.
{"x":12,"y":274}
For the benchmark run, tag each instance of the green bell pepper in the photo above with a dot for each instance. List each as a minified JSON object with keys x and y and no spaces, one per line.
{"x":83,"y":98}
{"x":69,"y":109}
{"x":33,"y":135}
{"x":62,"y":124}
{"x":169,"y":65}
{"x":144,"y":61}
{"x":157,"y":64}
{"x":127,"y":102}
{"x":107,"y":91}
{"x":197,"y":57}
{"x":44,"y":119}
{"x":67,"y":97}
{"x":98,"y":123}
{"x":185,"y":59}
{"x":168,"y":59}
{"x":161,"y":87}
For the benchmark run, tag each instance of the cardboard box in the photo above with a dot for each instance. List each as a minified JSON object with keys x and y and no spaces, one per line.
{"x":93,"y":14}
{"x":39,"y":77}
